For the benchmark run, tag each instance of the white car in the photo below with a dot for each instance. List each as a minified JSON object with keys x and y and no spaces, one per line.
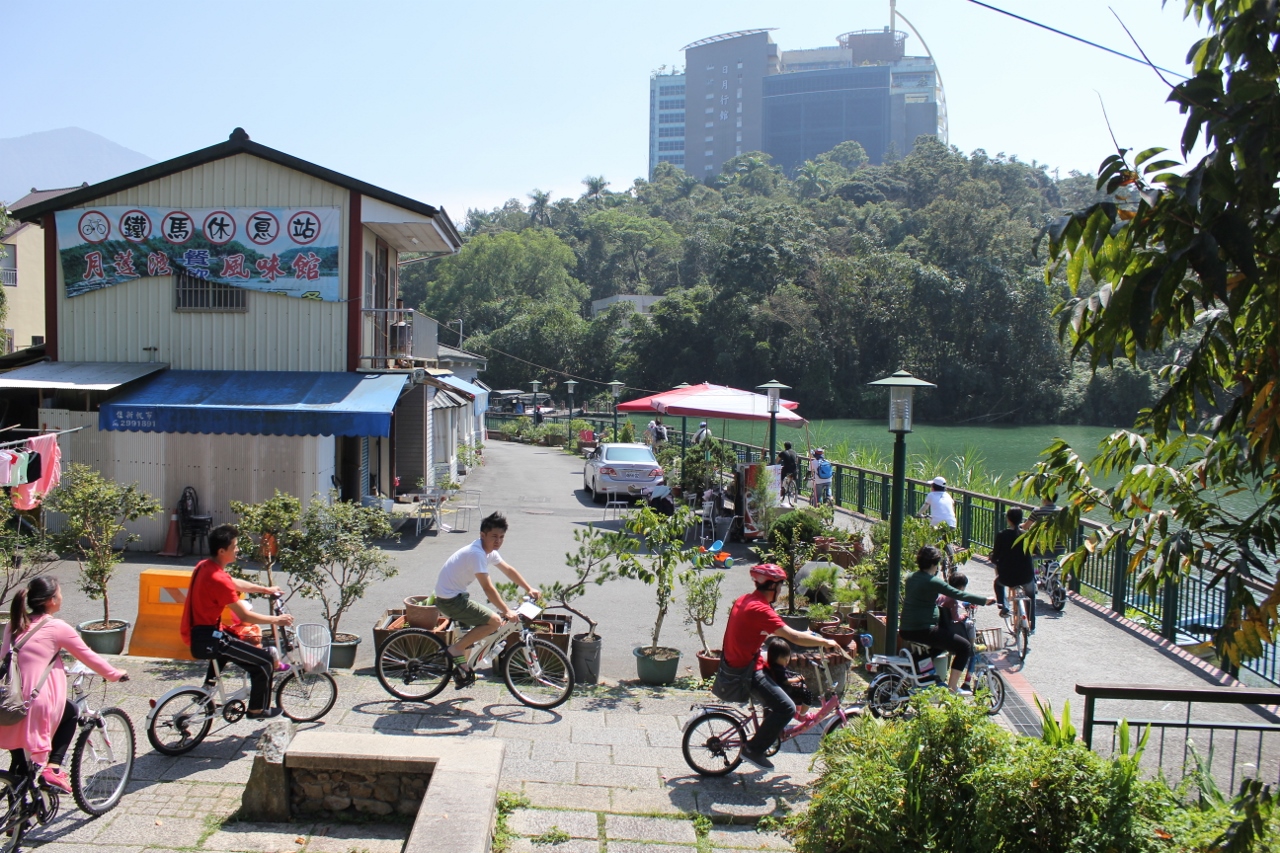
{"x":624,"y":469}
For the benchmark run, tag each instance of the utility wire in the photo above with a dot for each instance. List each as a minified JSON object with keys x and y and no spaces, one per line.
{"x":1145,"y":62}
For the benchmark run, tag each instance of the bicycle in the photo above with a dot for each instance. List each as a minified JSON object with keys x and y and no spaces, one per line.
{"x":181,"y":719}
{"x":713,"y":739}
{"x":909,"y":672}
{"x":102,"y":758}
{"x":1050,"y":580}
{"x":1016,"y":621}
{"x":790,"y":490}
{"x":414,"y":664}
{"x":26,"y":804}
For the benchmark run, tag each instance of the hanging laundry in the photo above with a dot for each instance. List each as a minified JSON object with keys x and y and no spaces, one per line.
{"x":28,"y":496}
{"x":18,"y":468}
{"x":7,"y":458}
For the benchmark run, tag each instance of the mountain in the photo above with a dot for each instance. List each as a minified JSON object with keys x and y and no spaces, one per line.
{"x":66,"y":157}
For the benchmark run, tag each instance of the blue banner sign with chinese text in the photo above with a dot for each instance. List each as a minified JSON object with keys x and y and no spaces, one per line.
{"x":293,"y":252}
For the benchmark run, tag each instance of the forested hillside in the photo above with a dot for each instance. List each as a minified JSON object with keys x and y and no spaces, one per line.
{"x":826,"y":281}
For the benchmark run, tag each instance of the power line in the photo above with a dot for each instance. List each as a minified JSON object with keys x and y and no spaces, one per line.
{"x":1136,"y":59}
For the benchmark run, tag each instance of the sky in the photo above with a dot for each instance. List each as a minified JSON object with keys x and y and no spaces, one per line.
{"x":465,"y":105}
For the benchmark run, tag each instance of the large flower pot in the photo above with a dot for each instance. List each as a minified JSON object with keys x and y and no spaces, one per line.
{"x":819,"y":627}
{"x":104,"y":641}
{"x":659,"y":668}
{"x":420,"y":611}
{"x":342,"y":654}
{"x":841,"y":634}
{"x":709,"y":663}
{"x":584,"y":654}
{"x":799,"y":621}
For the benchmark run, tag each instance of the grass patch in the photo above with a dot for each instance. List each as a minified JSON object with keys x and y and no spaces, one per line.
{"x":554,"y":835}
{"x":507,"y":803}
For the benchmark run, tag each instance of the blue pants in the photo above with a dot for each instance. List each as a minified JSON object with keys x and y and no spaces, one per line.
{"x":778,"y":708}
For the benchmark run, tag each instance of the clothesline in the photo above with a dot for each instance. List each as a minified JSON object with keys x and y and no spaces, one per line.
{"x":4,"y":444}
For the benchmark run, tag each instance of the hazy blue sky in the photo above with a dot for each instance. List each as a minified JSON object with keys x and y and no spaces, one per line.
{"x":469,"y":104}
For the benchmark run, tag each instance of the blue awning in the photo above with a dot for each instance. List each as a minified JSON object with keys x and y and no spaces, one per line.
{"x":481,"y":403}
{"x":257,"y":402}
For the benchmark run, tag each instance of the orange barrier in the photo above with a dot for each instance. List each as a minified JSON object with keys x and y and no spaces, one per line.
{"x":161,"y":594}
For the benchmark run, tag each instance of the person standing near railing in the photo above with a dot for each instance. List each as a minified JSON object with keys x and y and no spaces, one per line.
{"x":821,"y":472}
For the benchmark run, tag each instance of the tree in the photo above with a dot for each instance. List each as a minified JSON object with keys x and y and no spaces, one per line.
{"x":1189,"y":258}
{"x":596,"y":187}
{"x":95,"y":511}
{"x":850,"y":156}
{"x":540,"y":207}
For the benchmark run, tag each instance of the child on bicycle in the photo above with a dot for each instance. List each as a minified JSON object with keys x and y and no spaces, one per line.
{"x":470,"y":564}
{"x":953,"y":614}
{"x":777,"y":653}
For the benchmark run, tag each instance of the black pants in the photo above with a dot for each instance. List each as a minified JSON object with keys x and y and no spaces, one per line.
{"x":1029,"y":588}
{"x":61,"y":742}
{"x":778,"y":707}
{"x":253,"y":660}
{"x":940,"y":638}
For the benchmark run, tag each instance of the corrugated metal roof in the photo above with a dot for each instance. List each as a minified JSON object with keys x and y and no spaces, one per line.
{"x":79,"y":375}
{"x":446,"y":400}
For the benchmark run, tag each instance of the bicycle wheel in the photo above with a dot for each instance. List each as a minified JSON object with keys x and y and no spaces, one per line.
{"x":16,"y":817}
{"x":306,"y":697}
{"x":837,"y":723}
{"x":412,"y":664}
{"x":887,"y":695}
{"x":789,"y":490}
{"x":540,"y":677}
{"x":179,"y":723}
{"x":712,"y":743}
{"x":1057,"y":595}
{"x":102,"y":761}
{"x":993,"y":684}
{"x":1023,"y":640}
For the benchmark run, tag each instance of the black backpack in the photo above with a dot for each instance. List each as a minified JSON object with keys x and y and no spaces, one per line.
{"x":660,"y":432}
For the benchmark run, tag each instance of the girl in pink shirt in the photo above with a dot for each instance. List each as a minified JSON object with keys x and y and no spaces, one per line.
{"x":50,"y":724}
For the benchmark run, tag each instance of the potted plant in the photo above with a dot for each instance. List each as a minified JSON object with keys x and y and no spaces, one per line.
{"x":264,"y":528}
{"x":332,"y":559}
{"x":94,"y":513}
{"x":664,"y":540}
{"x":25,"y":553}
{"x":791,"y":546}
{"x":701,"y":601}
{"x":822,"y":616}
{"x":596,"y":561}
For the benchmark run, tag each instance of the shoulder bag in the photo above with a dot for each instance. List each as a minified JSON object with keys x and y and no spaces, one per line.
{"x":733,"y":683}
{"x":13,"y":705}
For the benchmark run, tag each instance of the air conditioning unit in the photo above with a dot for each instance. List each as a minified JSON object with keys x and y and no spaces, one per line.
{"x":419,"y":375}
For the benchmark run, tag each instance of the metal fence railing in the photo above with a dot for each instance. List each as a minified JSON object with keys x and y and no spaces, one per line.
{"x":1188,"y":611}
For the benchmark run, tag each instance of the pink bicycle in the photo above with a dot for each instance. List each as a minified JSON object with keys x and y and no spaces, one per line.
{"x":714,"y":737}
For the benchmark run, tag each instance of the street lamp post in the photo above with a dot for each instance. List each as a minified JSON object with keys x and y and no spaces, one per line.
{"x":901,"y":387}
{"x":535,"y":385}
{"x":774,"y":390}
{"x":616,"y":387}
{"x":570,"y":385}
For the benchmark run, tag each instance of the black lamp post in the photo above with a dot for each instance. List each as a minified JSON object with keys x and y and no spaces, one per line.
{"x":570,"y":385}
{"x":535,"y":385}
{"x":774,"y":389}
{"x":616,"y":387}
{"x":901,"y":387}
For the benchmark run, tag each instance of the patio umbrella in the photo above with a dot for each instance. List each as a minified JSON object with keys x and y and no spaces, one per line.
{"x":714,"y":401}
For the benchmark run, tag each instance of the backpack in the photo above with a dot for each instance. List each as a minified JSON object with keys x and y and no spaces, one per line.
{"x":660,"y":432}
{"x":13,"y":705}
{"x":824,"y":469}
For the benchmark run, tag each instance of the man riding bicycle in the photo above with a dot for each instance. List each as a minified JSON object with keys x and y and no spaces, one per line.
{"x":821,"y":473}
{"x":453,"y":600}
{"x":790,"y":465}
{"x":1013,"y":565}
{"x":752,"y":620}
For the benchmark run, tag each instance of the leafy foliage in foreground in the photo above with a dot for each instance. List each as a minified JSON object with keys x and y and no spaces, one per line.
{"x":951,"y":779}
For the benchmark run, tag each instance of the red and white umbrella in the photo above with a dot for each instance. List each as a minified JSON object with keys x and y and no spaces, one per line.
{"x":714,"y":401}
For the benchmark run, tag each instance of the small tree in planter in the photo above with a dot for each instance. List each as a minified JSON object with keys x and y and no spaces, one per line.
{"x":791,"y":546}
{"x":95,"y":511}
{"x":664,"y":538}
{"x":701,"y":602}
{"x":597,"y":561}
{"x":25,"y":553}
{"x":334,"y":561}
{"x":266,"y":529}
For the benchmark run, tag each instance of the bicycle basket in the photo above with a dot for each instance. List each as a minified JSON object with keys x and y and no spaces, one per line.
{"x":990,"y":638}
{"x":313,"y":646}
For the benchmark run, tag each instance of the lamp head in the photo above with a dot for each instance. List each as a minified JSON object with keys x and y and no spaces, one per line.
{"x":774,"y":390}
{"x":617,"y":387}
{"x":901,"y":387}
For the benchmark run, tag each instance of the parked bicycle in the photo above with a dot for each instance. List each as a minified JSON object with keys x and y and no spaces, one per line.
{"x":181,"y":719}
{"x":1050,"y":580}
{"x":1017,"y":622}
{"x":899,"y":677}
{"x":102,"y":758}
{"x":714,"y":737}
{"x":414,"y":663}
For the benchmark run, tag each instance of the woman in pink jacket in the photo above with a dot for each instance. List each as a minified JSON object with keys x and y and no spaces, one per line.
{"x":50,"y":724}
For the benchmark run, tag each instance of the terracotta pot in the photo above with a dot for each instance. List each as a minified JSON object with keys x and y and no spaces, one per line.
{"x":419,"y":614}
{"x":842,"y":635}
{"x":819,"y":627}
{"x":709,"y":663}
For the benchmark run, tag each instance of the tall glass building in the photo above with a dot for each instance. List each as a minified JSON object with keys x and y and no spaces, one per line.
{"x":741,"y":93}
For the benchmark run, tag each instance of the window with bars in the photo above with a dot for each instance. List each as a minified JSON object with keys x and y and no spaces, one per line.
{"x":192,"y":293}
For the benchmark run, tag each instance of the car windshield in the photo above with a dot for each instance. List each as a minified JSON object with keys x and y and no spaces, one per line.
{"x":629,"y":454}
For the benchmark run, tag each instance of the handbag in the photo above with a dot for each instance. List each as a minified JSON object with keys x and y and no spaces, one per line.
{"x":733,"y":683}
{"x":13,"y":705}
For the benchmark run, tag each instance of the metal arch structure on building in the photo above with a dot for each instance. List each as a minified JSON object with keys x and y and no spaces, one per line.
{"x":727,"y":37}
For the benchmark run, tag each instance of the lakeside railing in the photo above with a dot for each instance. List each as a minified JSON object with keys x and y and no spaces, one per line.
{"x":1188,"y":610}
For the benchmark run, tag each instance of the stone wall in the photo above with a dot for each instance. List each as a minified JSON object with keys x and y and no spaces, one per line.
{"x":340,"y":791}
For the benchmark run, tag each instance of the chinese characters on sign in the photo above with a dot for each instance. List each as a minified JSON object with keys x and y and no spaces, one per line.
{"x":133,"y":418}
{"x":293,"y":252}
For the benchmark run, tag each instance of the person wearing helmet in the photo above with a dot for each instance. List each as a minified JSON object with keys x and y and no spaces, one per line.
{"x":820,"y":472}
{"x":703,"y":433}
{"x":752,"y":620}
{"x":939,"y":504}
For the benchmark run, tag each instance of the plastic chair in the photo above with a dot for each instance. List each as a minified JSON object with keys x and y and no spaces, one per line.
{"x":617,"y":504}
{"x":469,"y":501}
{"x":191,"y":523}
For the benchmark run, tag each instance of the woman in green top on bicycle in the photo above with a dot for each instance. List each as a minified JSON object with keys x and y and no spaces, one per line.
{"x":919,"y":622}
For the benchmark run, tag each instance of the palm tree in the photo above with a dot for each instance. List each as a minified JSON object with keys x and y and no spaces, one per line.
{"x":540,"y":207}
{"x":811,"y":180}
{"x":595,"y":186}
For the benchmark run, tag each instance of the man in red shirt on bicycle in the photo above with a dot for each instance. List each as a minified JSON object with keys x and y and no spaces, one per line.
{"x":752,"y":620}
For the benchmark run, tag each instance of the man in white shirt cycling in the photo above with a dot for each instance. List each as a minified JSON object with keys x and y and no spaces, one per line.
{"x":939,"y":504}
{"x":453,"y":599}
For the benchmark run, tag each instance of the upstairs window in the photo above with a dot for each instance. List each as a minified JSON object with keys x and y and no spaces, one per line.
{"x":192,"y":293}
